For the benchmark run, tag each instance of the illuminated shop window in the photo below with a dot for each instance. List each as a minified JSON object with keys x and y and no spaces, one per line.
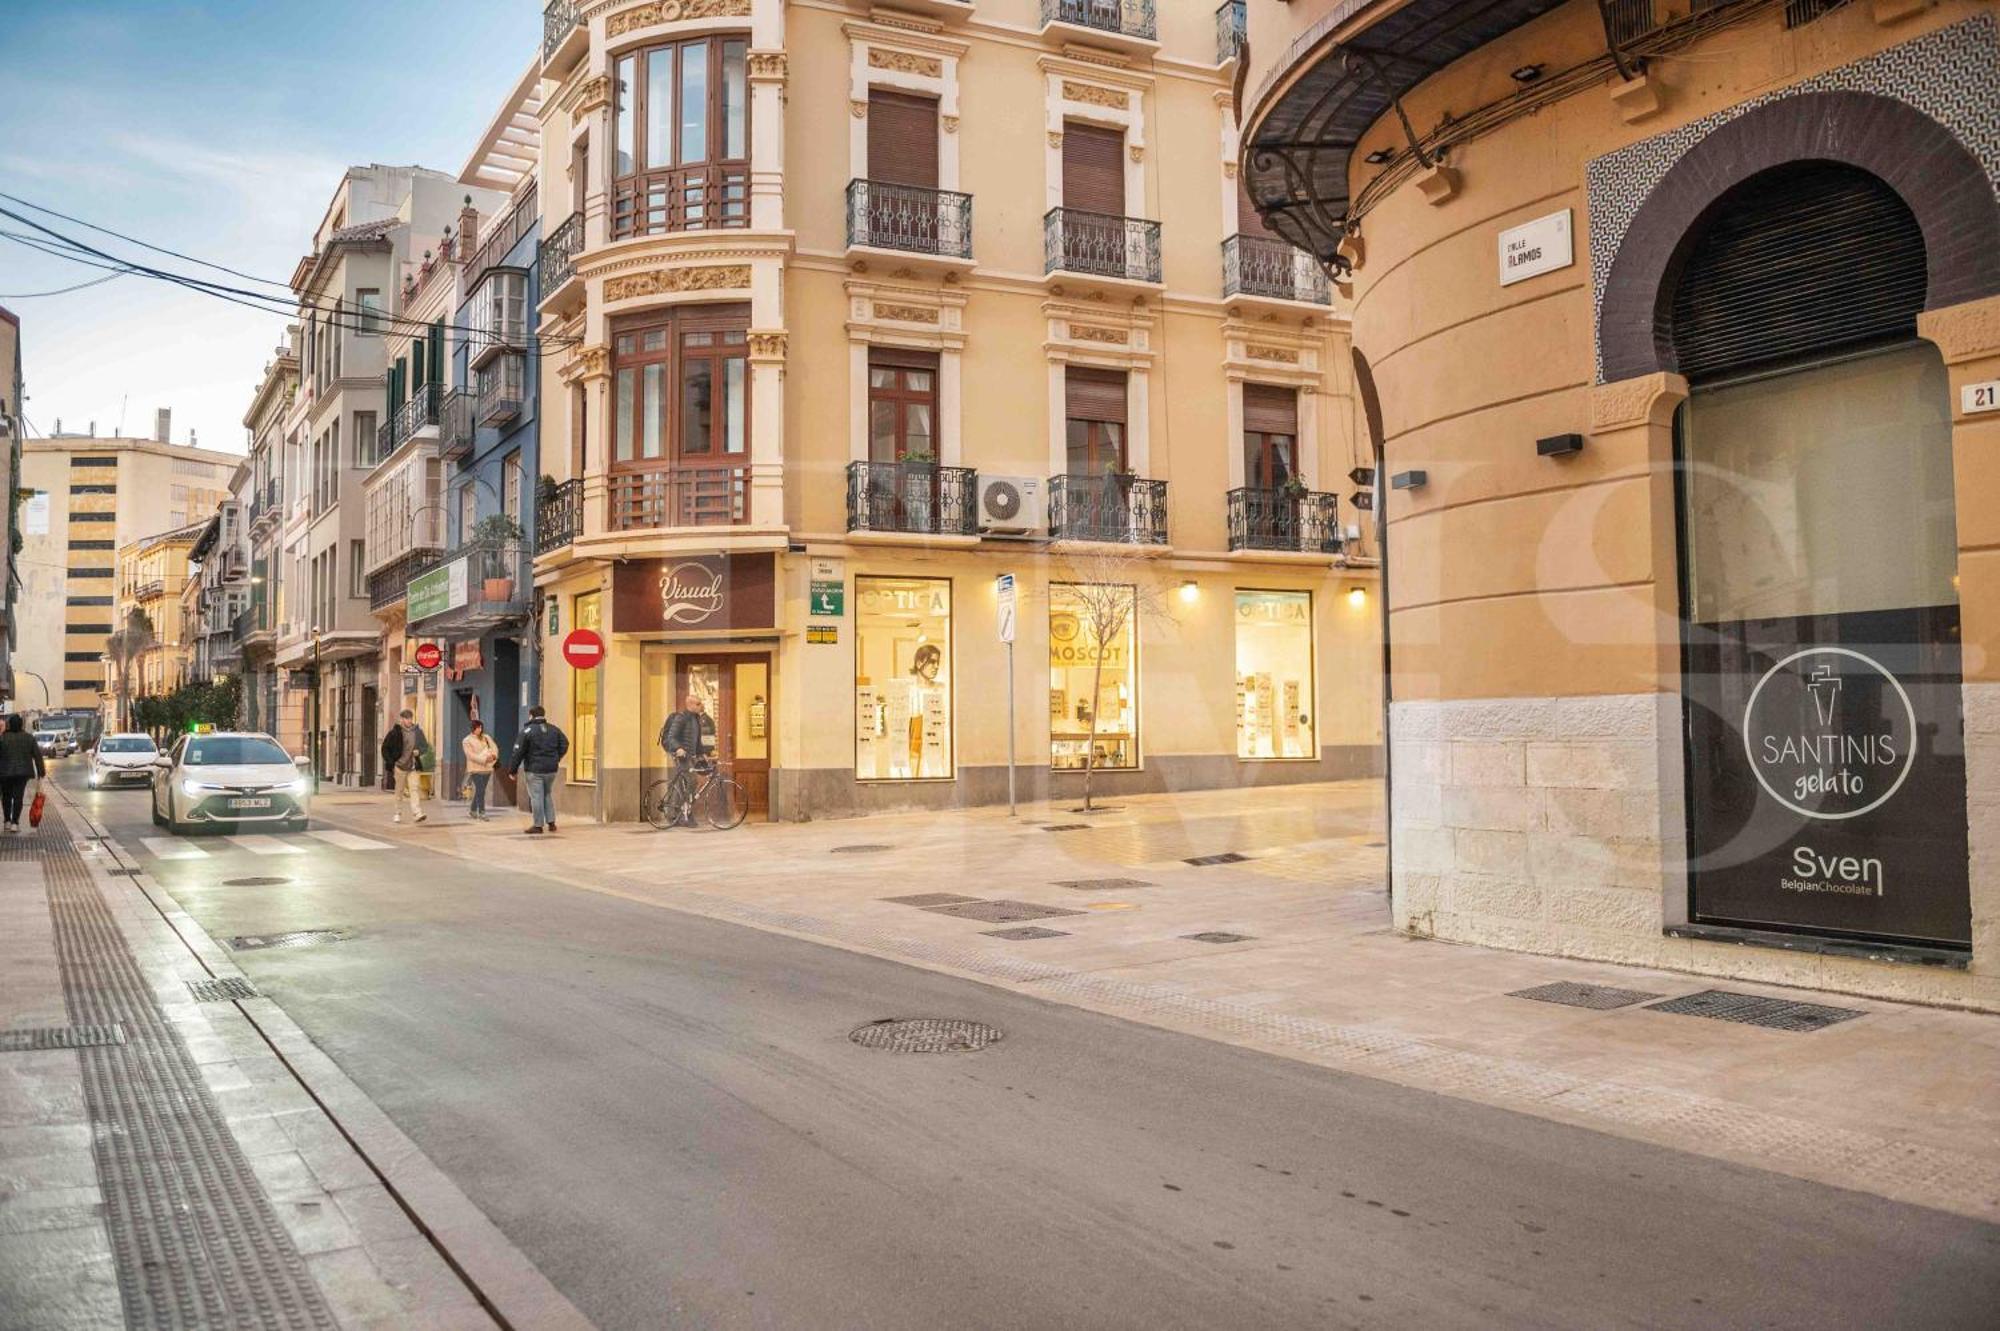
{"x":1274,"y":675}
{"x":586,"y":614}
{"x":1089,"y":623}
{"x":902,"y":679}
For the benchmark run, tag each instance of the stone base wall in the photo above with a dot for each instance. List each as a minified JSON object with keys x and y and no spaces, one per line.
{"x":1558,"y":825}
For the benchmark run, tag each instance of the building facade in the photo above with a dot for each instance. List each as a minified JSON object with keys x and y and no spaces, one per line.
{"x":824,"y":365}
{"x":218,"y":587}
{"x":13,"y":427}
{"x":151,"y":648}
{"x":1681,"y":329}
{"x":269,"y":703}
{"x":88,"y":499}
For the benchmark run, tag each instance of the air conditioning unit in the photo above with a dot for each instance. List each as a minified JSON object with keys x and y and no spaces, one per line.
{"x":1012,"y":504}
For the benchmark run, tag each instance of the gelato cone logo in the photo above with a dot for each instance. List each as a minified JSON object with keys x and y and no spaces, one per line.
{"x":1830,"y":733}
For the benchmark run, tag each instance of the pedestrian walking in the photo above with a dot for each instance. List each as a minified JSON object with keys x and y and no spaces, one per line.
{"x":537,"y":756}
{"x":20,"y":762}
{"x":407,"y":755}
{"x":687,"y":737}
{"x":481,"y":753}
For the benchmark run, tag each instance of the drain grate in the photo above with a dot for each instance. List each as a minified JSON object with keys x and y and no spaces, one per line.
{"x":1102,"y":884}
{"x":866,"y":848}
{"x":924,"y":1035}
{"x":297,"y":938}
{"x":1570,"y":994}
{"x":1066,"y":827}
{"x":1001,"y":912}
{"x":1023,"y":933}
{"x":1215,"y":936}
{"x":123,"y":873}
{"x":1778,"y":1014}
{"x":1226,"y":857}
{"x":60,"y":1037}
{"x":255,"y":880}
{"x":931,"y":899}
{"x":225,"y":990}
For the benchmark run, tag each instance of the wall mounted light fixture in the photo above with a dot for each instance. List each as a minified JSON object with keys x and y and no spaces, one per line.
{"x":1190,"y":592}
{"x":1559,"y":445}
{"x":1409,"y":480}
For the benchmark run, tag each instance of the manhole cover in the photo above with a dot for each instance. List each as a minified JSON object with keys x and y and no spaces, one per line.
{"x":1215,"y":936}
{"x":1570,"y":994}
{"x":1101,"y":884}
{"x":1226,"y":857}
{"x":930,"y":899}
{"x":1066,"y":827}
{"x":1001,"y":912}
{"x":1778,"y":1014}
{"x":256,"y":880}
{"x":1024,"y":932}
{"x":227,"y":989}
{"x":859,"y":850}
{"x":298,"y":938}
{"x":60,"y":1037}
{"x":924,"y":1035}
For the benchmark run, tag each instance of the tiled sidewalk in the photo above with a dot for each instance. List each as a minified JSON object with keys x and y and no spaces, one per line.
{"x":1901,"y":1101}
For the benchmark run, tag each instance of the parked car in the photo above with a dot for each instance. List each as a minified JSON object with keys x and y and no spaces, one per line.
{"x":123,"y":760}
{"x":55,"y":741}
{"x":230,"y":778}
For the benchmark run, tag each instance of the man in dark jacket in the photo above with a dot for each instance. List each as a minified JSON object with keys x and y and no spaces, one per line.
{"x":687,"y":737}
{"x":537,"y":756}
{"x":406,"y":754}
{"x":20,"y":762}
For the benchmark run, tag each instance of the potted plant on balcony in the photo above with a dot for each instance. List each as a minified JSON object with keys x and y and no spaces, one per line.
{"x":1291,"y":512}
{"x":500,"y":537}
{"x":919,"y":478}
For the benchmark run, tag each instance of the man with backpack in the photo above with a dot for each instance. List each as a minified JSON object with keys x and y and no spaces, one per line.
{"x":538,"y":754}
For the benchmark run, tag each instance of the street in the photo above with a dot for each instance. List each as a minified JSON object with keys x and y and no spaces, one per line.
{"x":666,"y":1115}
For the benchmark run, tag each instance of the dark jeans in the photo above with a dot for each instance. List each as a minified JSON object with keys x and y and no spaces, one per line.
{"x":13,"y":790}
{"x":479,"y":780}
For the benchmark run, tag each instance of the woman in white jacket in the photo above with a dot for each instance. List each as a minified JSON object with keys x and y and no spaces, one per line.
{"x":480,"y":756}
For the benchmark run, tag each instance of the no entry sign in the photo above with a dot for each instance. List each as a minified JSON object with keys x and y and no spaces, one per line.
{"x":583,"y":649}
{"x":429,"y":654}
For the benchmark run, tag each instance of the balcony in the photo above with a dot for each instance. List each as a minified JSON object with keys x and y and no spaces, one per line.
{"x":1114,"y":507}
{"x":1231,"y":31}
{"x":1272,"y":270}
{"x":559,"y":515}
{"x":919,"y":497}
{"x":499,"y":403}
{"x":1100,"y":245}
{"x":909,"y":219}
{"x":387,"y":584}
{"x":692,"y":497}
{"x":146,"y":591}
{"x":480,"y":585}
{"x":419,"y":413}
{"x":1126,"y":24}
{"x":688,"y":198}
{"x":557,"y":263}
{"x":564,"y":37}
{"x":1300,"y":520}
{"x":455,"y":425}
{"x":495,"y":246}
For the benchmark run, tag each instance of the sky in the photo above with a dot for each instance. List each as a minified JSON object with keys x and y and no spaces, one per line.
{"x":219,"y":130}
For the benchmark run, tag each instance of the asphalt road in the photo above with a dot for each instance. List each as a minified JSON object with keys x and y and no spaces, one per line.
{"x":666,"y":1115}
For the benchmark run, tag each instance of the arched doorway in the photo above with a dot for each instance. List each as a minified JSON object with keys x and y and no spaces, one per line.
{"x":1820,"y":623}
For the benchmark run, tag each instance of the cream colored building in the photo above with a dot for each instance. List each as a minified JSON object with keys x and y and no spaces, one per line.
{"x":90,"y":499}
{"x":152,"y":581}
{"x":899,"y":299}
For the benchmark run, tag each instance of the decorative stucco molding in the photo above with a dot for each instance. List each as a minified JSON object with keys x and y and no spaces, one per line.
{"x":1647,"y":400}
{"x":905,"y":62}
{"x":672,"y":11}
{"x":1117,"y":337}
{"x":671,"y":281}
{"x":1260,"y":351}
{"x":587,"y":96}
{"x":1963,"y":332}
{"x":587,"y":363}
{"x":767,"y":346}
{"x":911,"y":314}
{"x":771,"y":65}
{"x":1092,"y":95}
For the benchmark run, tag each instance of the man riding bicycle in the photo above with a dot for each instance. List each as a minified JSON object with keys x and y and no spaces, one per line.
{"x":688,"y":738}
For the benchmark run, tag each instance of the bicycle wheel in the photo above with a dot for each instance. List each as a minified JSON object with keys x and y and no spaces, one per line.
{"x":660,"y":805}
{"x":724,"y":804}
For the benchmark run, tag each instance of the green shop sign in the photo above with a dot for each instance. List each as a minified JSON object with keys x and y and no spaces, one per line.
{"x":436,"y":591}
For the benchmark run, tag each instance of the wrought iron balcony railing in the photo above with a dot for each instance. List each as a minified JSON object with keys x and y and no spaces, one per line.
{"x":1231,"y":30}
{"x":1075,"y":241}
{"x":912,"y":497}
{"x":1258,"y":266}
{"x":413,"y":415}
{"x":505,"y":234}
{"x":558,"y":255}
{"x":559,"y":516}
{"x":387,"y":584}
{"x":558,"y":20}
{"x":1112,"y":507}
{"x":1132,"y":18}
{"x":1304,"y":520}
{"x":690,"y":497}
{"x":909,"y":217}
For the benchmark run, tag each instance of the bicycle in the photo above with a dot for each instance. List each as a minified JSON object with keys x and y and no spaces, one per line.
{"x":698,"y":791}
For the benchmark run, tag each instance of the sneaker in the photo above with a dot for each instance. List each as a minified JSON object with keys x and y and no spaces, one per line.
{"x":397,"y":819}
{"x":423,"y":817}
{"x":534,"y":831}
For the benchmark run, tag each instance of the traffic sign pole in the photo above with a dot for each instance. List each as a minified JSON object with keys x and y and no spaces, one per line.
{"x":1005,"y":588}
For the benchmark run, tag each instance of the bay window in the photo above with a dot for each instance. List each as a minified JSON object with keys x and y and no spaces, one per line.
{"x":680,"y":403}
{"x":682,"y":137}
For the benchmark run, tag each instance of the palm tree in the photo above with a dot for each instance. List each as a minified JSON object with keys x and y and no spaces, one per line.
{"x":125,"y":646}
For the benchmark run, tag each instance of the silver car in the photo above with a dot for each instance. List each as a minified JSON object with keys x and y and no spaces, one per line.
{"x":230,"y":779}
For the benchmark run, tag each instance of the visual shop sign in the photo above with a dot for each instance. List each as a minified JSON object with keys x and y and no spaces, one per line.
{"x":1828,"y":780}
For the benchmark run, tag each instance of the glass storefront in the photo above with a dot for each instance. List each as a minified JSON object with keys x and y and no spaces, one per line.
{"x":1088,"y":625}
{"x":1274,"y":675}
{"x":587,"y":613}
{"x":902,"y":679}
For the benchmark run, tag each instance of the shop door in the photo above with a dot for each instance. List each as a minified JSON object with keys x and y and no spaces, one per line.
{"x":371,"y":710}
{"x":736,"y":690}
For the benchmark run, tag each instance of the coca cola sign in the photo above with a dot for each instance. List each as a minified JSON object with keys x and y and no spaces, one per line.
{"x":694,"y":594}
{"x":690,"y":592}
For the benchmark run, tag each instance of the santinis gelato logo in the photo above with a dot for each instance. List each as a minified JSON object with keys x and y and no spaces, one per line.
{"x":1830,"y":733}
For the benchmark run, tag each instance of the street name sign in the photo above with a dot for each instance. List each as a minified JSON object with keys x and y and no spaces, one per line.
{"x":1537,"y":247}
{"x":826,"y":596}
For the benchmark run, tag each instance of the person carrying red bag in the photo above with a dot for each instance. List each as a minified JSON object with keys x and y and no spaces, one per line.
{"x":20,"y":762}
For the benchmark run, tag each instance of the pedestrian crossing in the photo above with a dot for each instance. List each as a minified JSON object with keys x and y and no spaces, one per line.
{"x":182,"y":848}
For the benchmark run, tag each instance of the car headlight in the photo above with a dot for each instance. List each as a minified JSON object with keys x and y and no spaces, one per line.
{"x":300,"y":786}
{"x":192,"y":788}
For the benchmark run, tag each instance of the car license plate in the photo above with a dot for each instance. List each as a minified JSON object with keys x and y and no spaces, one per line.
{"x":249,"y":803}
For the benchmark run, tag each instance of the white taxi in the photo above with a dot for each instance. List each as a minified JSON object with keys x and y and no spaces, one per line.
{"x":122,"y":760}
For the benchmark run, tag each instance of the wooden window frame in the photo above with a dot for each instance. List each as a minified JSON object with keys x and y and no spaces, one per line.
{"x":676,"y":323}
{"x":902,"y":362}
{"x":713,"y":193}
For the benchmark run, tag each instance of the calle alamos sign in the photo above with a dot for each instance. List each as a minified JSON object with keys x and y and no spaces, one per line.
{"x":732,"y":591}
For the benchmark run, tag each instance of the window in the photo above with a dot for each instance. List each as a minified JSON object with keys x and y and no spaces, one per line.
{"x":93,"y":545}
{"x":94,"y":517}
{"x":902,"y":679}
{"x":83,"y":685}
{"x":87,"y":600}
{"x":366,"y":434}
{"x":682,"y":138}
{"x":585,"y":613}
{"x":468,"y":511}
{"x":1270,"y":436}
{"x":1091,"y":626}
{"x":502,"y":389}
{"x":1274,"y":675}
{"x":510,"y":485}
{"x":93,"y":489}
{"x":371,"y":323}
{"x":680,"y":388}
{"x":498,"y":314}
{"x":902,"y":139}
{"x":93,"y":462}
{"x":1093,"y":168}
{"x":85,"y":630}
{"x":1096,"y":411}
{"x":902,"y":405}
{"x":87,"y":573}
{"x":357,"y":568}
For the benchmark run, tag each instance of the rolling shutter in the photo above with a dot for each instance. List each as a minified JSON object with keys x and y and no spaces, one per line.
{"x":1800,"y":260}
{"x":902,"y":139}
{"x":1270,"y":410}
{"x":1093,"y":168}
{"x":1095,"y":395}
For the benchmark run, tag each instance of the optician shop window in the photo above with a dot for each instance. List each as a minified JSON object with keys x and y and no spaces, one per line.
{"x":902,"y":679}
{"x":1274,"y":675}
{"x":1079,"y":617}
